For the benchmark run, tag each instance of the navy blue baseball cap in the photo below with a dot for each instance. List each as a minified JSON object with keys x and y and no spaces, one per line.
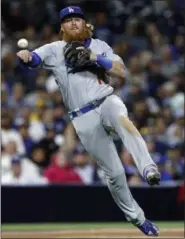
{"x":71,"y":11}
{"x":16,"y":159}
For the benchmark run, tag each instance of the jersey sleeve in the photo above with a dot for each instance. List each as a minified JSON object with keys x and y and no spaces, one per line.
{"x":46,"y":53}
{"x":109,"y":53}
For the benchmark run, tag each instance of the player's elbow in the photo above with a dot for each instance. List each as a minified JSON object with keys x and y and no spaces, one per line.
{"x":118,"y":69}
{"x":121,"y":71}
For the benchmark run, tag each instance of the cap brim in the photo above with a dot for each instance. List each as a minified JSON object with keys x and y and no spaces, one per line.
{"x":72,"y":14}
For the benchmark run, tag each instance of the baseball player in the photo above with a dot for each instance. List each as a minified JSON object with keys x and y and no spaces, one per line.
{"x":83,"y":67}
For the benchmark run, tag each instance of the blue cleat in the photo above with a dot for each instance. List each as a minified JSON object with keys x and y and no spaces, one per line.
{"x":148,"y":228}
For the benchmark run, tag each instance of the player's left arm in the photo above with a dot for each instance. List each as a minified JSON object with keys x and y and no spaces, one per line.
{"x":111,"y":62}
{"x":113,"y":67}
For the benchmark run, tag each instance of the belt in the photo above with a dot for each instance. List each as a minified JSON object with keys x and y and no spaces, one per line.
{"x":91,"y":106}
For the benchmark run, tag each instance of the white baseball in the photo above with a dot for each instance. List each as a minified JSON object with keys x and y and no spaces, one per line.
{"x":22,"y":43}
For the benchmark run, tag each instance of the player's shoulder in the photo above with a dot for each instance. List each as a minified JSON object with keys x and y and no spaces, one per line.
{"x":53,"y":47}
{"x":100,"y":43}
{"x":56,"y":44}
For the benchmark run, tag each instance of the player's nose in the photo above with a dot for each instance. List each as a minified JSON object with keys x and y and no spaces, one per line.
{"x":73,"y":21}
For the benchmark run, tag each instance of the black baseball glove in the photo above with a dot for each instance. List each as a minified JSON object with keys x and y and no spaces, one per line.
{"x":77,"y":55}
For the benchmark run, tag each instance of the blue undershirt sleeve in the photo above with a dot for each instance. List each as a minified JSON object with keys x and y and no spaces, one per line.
{"x":36,"y":61}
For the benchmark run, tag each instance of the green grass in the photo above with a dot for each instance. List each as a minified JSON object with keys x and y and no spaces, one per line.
{"x":60,"y":226}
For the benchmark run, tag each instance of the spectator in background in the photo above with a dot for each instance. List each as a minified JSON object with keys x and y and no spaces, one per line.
{"x":39,"y":157}
{"x":61,"y":171}
{"x":156,"y":156}
{"x":37,"y":121}
{"x":167,"y":115}
{"x":6,"y":46}
{"x":16,"y":17}
{"x":179,"y":44}
{"x":31,"y":36}
{"x":8,"y":69}
{"x":23,"y":115}
{"x":98,"y":174}
{"x":102,"y":31}
{"x":166,"y":172}
{"x":129,"y":166}
{"x":134,"y":33}
{"x":39,"y":92}
{"x":57,"y":98}
{"x":9,"y":150}
{"x":175,"y":161}
{"x":136,"y":74}
{"x":82,"y":165}
{"x":175,"y":131}
{"x":4,"y":99}
{"x":23,"y":129}
{"x":16,"y":101}
{"x":155,"y":78}
{"x":18,"y":176}
{"x":160,"y":130}
{"x":48,"y":117}
{"x":179,"y":80}
{"x":129,"y":91}
{"x":170,"y":97}
{"x":141,"y":113}
{"x":9,"y":134}
{"x":60,"y":119}
{"x":179,"y":50}
{"x":49,"y":142}
{"x":51,"y":85}
{"x":46,"y":34}
{"x":169,"y":67}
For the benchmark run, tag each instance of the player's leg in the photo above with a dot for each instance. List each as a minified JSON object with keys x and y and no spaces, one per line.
{"x":101,"y":147}
{"x":118,"y":119}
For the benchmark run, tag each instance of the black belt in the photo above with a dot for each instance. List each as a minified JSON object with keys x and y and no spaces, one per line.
{"x":94,"y":104}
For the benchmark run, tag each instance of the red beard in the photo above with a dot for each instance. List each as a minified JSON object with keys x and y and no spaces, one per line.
{"x":82,"y":36}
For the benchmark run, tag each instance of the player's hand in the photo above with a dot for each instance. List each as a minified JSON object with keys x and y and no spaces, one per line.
{"x":77,"y":55}
{"x":25,"y":55}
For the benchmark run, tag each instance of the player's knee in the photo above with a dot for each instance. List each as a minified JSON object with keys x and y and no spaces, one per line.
{"x":117,"y":181}
{"x":128,"y":125}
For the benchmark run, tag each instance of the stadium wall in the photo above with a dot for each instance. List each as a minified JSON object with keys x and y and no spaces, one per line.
{"x":85,"y":204}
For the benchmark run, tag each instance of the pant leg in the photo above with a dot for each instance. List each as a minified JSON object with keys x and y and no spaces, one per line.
{"x":96,"y":141}
{"x":133,"y":141}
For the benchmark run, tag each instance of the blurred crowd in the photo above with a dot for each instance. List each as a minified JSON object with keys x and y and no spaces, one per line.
{"x":39,"y":144}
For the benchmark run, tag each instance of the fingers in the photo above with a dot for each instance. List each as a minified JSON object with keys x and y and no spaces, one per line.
{"x":30,"y":57}
{"x":25,"y":56}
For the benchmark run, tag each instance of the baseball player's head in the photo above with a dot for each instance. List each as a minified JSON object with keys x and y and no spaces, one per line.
{"x":73,"y":25}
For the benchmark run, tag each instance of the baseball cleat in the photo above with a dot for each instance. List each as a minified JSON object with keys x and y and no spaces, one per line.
{"x":152,"y":176}
{"x":148,"y":228}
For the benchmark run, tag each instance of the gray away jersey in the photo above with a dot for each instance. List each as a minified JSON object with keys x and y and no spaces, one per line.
{"x":80,"y":88}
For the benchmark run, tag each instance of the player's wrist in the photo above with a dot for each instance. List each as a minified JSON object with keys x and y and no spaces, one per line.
{"x":35,"y":60}
{"x":105,"y":62}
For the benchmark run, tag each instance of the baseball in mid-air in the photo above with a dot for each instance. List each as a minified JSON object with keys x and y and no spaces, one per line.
{"x":22,"y":43}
